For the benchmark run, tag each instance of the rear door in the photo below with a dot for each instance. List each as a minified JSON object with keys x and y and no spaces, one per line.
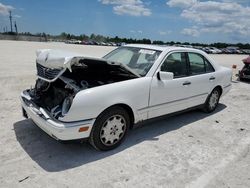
{"x":202,"y":77}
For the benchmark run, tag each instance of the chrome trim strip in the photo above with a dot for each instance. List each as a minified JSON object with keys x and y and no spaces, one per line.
{"x":45,"y":79}
{"x":229,"y":85}
{"x":173,"y":101}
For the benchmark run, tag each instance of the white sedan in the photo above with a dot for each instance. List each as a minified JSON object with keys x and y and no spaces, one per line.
{"x":78,"y":97}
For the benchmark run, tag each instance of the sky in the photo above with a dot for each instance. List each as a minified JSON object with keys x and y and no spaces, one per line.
{"x":167,"y":20}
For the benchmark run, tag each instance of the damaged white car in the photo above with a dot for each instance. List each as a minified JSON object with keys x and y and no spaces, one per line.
{"x":78,"y":97}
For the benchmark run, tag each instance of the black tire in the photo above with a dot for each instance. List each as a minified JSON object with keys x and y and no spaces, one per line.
{"x":102,"y":130}
{"x":212,"y":101}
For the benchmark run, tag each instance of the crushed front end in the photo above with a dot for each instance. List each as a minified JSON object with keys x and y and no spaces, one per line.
{"x":60,"y":77}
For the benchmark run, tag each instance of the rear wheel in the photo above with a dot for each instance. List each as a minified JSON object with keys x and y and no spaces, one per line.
{"x":212,"y":101}
{"x":110,"y":128}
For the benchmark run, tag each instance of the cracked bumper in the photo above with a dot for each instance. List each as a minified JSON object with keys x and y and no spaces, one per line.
{"x":56,"y":129}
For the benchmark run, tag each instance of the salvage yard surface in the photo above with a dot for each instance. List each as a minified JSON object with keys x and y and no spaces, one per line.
{"x":193,"y":149}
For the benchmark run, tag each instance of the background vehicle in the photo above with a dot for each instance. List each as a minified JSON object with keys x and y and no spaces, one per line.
{"x":212,"y":50}
{"x":244,"y":73}
{"x":215,"y":50}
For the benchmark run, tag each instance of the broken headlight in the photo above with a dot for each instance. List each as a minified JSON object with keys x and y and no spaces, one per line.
{"x":66,"y":105}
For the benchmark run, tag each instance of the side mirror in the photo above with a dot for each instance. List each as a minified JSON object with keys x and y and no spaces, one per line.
{"x":165,"y":75}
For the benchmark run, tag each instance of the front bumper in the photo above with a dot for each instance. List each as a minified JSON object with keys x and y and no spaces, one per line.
{"x":56,"y":129}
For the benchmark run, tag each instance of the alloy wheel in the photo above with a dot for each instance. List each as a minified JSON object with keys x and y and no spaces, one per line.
{"x":113,"y":130}
{"x":214,"y":99}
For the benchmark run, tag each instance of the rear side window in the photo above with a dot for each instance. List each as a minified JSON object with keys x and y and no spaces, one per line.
{"x":209,"y":67}
{"x":198,"y":64}
{"x":175,"y":63}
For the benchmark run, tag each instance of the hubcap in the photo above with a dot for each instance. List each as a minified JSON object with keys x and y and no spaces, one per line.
{"x":214,"y":98}
{"x":113,"y":130}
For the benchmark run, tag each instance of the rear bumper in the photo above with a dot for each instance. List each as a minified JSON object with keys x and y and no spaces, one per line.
{"x":56,"y":129}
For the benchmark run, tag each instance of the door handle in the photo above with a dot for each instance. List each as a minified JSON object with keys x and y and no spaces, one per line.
{"x":186,"y":83}
{"x":212,"y":78}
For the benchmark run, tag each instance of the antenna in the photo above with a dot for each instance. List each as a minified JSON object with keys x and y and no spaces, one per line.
{"x":10,"y":22}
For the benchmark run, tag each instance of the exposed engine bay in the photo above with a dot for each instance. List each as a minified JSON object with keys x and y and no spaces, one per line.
{"x":56,"y":96}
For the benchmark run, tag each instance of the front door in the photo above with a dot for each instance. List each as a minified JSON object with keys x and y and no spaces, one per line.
{"x":167,"y":96}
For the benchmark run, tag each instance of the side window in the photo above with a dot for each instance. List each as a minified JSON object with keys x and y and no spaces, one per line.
{"x":175,"y":63}
{"x":197,"y":64}
{"x":209,"y":67}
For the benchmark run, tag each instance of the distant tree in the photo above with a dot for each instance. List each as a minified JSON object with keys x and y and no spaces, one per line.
{"x":172,"y":43}
{"x":68,"y":36}
{"x":84,"y":37}
{"x":92,"y":36}
{"x":63,"y":35}
{"x":117,"y":39}
{"x":158,"y":42}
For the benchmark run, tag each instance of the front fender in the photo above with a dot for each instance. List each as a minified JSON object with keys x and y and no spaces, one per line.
{"x":89,"y":103}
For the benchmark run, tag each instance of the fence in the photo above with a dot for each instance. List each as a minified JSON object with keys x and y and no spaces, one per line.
{"x":23,"y":38}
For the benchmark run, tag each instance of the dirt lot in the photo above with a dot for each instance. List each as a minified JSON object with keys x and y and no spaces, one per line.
{"x":189,"y":150}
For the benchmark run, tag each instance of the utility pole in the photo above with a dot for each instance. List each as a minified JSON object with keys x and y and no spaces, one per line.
{"x":11,"y":29}
{"x":16,"y":27}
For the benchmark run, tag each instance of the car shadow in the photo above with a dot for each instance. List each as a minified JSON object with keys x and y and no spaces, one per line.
{"x":53,"y":156}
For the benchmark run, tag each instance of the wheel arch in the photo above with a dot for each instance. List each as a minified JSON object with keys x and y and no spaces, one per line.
{"x":128,"y":109}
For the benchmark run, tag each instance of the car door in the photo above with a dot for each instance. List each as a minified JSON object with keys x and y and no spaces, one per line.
{"x":202,"y":78}
{"x":167,"y":96}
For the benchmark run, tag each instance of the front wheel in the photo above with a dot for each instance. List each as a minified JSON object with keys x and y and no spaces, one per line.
{"x":110,"y":129}
{"x":212,"y":101}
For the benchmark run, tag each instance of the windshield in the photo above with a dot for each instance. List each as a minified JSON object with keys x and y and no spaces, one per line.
{"x":139,"y":60}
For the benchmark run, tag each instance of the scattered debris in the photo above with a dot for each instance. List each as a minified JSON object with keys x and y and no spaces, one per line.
{"x":242,"y":129}
{"x":190,"y":136}
{"x":23,"y":179}
{"x":216,"y":121}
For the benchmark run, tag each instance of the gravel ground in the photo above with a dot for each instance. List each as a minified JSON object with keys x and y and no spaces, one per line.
{"x":188,"y":150}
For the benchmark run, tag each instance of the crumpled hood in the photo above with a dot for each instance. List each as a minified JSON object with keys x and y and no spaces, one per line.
{"x":57,"y":59}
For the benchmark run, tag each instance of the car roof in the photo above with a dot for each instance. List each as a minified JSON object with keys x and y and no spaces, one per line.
{"x":160,"y":47}
{"x":166,"y":49}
